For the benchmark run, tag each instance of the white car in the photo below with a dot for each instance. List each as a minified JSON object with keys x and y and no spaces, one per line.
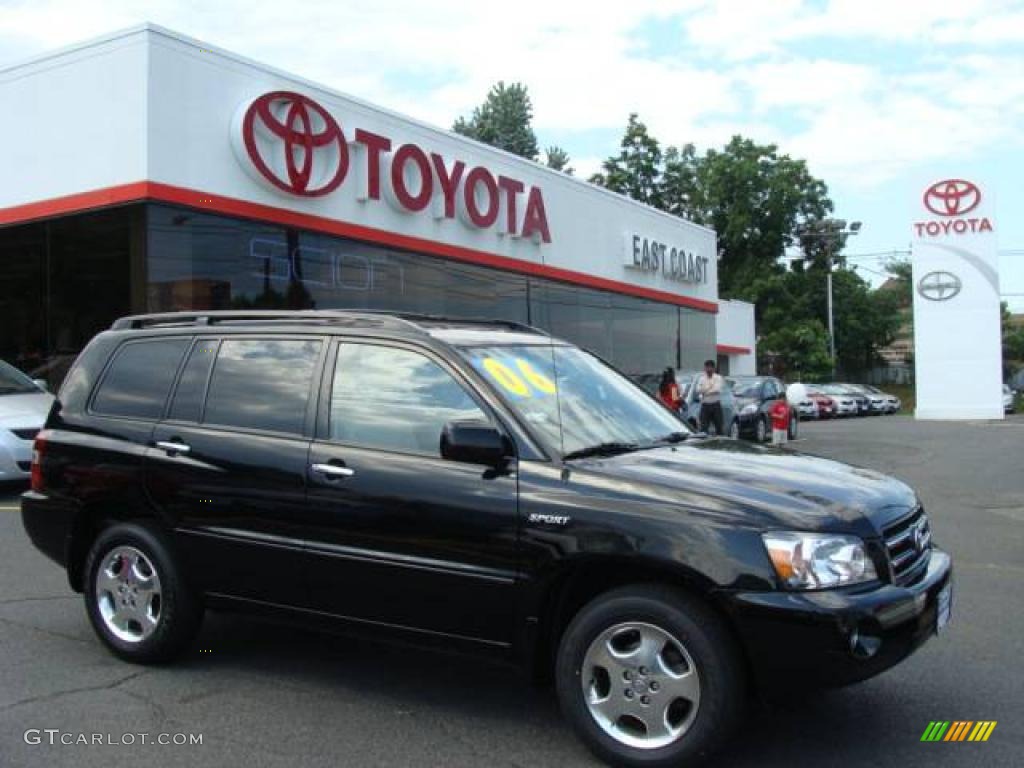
{"x":24,"y":405}
{"x":1008,"y":399}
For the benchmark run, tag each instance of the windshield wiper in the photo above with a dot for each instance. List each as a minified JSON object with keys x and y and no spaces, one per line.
{"x":672,"y":437}
{"x":601,"y":449}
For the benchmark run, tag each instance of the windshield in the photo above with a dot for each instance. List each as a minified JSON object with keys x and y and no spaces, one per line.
{"x":14,"y":382}
{"x":592,"y":404}
{"x":747,"y":388}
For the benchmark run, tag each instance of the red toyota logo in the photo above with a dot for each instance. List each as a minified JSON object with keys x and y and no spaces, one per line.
{"x":302,"y":137}
{"x":952,"y":197}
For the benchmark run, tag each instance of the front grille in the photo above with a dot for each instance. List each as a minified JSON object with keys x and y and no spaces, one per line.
{"x":909,"y":544}
{"x":26,"y":434}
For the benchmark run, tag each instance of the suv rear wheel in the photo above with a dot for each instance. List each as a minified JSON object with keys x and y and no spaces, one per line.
{"x":648,"y":676}
{"x":135,"y":596}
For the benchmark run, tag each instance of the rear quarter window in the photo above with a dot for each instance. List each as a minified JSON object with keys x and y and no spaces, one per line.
{"x":262,"y":384}
{"x":139,"y":379}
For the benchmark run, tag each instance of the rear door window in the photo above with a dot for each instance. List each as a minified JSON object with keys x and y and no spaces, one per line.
{"x":139,"y":379}
{"x":262,"y":384}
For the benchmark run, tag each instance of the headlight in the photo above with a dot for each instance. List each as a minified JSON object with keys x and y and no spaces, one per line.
{"x":816,"y":561}
{"x":748,"y":409}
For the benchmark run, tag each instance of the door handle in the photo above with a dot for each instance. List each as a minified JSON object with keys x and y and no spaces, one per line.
{"x":333,"y":470}
{"x":172,"y":446}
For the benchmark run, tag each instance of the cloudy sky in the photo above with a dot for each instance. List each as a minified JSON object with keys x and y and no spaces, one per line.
{"x":878,"y":96}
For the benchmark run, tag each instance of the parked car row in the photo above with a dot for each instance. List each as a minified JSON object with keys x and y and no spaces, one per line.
{"x":746,"y":400}
{"x":837,"y":400}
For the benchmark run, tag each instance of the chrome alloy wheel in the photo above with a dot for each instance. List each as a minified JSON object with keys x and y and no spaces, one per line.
{"x":640,"y":685}
{"x":128,"y":594}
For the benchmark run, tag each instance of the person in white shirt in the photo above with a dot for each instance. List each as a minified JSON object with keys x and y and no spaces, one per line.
{"x":709,"y":389}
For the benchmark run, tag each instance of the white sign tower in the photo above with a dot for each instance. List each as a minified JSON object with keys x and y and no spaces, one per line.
{"x":957,"y":340}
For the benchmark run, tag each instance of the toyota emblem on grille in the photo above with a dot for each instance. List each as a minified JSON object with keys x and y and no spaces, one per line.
{"x":919,"y":537}
{"x":939,"y":286}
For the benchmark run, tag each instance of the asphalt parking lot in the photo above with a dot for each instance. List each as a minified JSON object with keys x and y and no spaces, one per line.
{"x":264,"y":695}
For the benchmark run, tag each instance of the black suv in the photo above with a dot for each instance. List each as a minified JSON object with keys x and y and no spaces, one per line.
{"x":476,"y":485}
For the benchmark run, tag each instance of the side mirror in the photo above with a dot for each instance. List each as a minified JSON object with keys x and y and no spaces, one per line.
{"x":474,"y":442}
{"x":42,"y":384}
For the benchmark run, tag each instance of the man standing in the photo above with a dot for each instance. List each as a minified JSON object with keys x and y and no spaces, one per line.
{"x":709,"y":388}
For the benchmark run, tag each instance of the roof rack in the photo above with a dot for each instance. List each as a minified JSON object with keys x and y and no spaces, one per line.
{"x":400,"y":320}
{"x":419,"y":317}
{"x":216,"y":317}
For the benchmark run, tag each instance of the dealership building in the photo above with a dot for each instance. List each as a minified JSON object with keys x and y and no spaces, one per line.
{"x":149,"y":172}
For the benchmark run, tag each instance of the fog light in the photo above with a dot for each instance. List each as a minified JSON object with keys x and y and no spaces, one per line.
{"x":864,"y":646}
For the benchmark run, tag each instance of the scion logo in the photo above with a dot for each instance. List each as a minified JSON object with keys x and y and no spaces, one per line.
{"x":939,"y":286}
{"x":952,"y":197}
{"x":295,"y":144}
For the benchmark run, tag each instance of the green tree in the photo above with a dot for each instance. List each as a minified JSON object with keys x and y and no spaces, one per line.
{"x":557,"y":158}
{"x":761,"y":202}
{"x":503,"y":121}
{"x":679,"y":192}
{"x":637,"y":170}
{"x":757,"y":201}
{"x":865,"y":321}
{"x":1013,"y":340}
{"x":798,"y":349}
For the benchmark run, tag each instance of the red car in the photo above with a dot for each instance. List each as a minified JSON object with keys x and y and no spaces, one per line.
{"x":826,"y":405}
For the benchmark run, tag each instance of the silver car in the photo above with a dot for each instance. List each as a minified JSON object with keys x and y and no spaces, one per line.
{"x":24,"y":405}
{"x":892,"y":403}
{"x":1009,"y":405}
{"x":846,"y":405}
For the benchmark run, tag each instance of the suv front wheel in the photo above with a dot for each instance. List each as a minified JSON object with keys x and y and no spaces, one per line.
{"x":648,"y":676}
{"x":135,"y":596}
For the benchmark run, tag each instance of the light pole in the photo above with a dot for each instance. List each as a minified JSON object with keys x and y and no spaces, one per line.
{"x":832,"y":230}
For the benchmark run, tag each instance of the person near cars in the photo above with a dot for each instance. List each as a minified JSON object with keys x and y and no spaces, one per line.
{"x":668,"y":390}
{"x":779,"y":414}
{"x":709,"y":389}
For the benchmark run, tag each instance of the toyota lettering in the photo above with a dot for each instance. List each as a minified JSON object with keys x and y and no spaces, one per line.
{"x":952,"y":199}
{"x":292,"y":144}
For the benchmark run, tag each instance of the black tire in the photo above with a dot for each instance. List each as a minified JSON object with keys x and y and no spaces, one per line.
{"x":761,"y":433}
{"x":710,"y":646}
{"x":794,"y":427}
{"x":179,"y":610}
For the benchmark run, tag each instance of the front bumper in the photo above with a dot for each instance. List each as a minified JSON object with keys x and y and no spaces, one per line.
{"x":819,"y":638}
{"x":15,"y":456}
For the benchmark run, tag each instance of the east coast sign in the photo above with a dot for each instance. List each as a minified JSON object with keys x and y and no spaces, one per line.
{"x":292,"y":144}
{"x":647,"y":254}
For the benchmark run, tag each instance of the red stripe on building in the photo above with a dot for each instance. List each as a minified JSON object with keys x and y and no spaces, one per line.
{"x":728,"y":349}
